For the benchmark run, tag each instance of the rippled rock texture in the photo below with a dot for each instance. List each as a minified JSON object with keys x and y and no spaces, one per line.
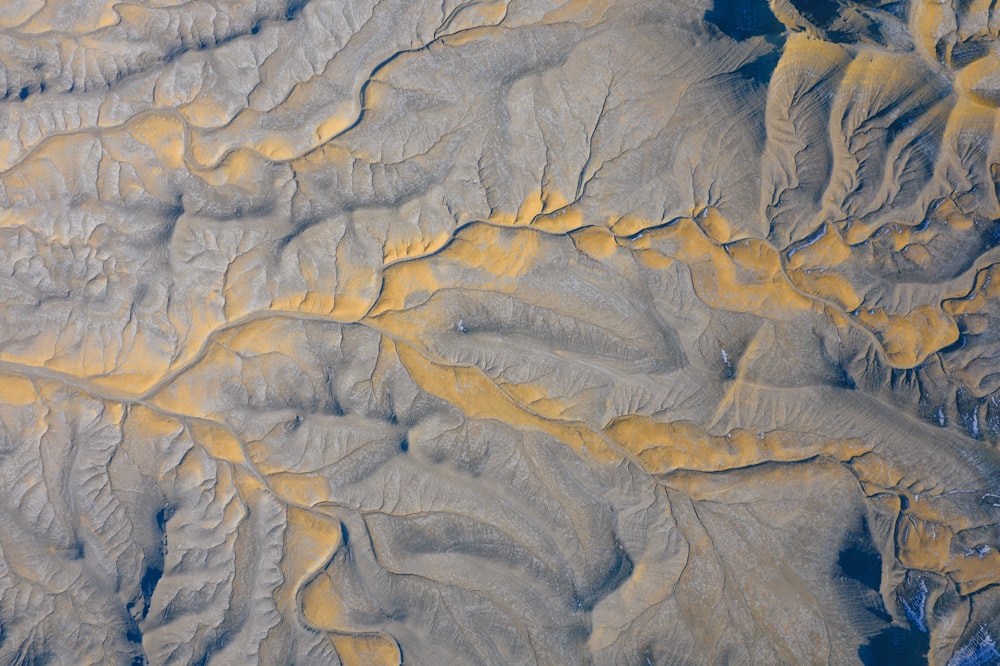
{"x":484,"y":332}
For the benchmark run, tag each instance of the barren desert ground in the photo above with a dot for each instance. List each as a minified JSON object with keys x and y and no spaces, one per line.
{"x":612,"y":332}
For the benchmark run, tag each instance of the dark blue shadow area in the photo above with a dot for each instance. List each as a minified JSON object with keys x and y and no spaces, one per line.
{"x":862,"y":564}
{"x":896,"y":646}
{"x":741,"y":19}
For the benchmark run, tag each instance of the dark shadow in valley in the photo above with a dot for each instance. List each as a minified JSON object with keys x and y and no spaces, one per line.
{"x":742,"y":19}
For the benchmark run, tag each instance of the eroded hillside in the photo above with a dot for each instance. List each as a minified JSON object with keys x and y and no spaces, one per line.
{"x":555,"y":332}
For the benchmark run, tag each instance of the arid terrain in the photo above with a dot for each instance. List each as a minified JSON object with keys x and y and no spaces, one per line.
{"x":615,"y":332}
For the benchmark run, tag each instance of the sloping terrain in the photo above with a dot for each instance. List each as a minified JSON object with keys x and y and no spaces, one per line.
{"x":499,"y":332}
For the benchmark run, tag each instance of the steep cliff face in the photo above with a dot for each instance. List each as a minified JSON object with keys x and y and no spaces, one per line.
{"x":555,"y":332}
